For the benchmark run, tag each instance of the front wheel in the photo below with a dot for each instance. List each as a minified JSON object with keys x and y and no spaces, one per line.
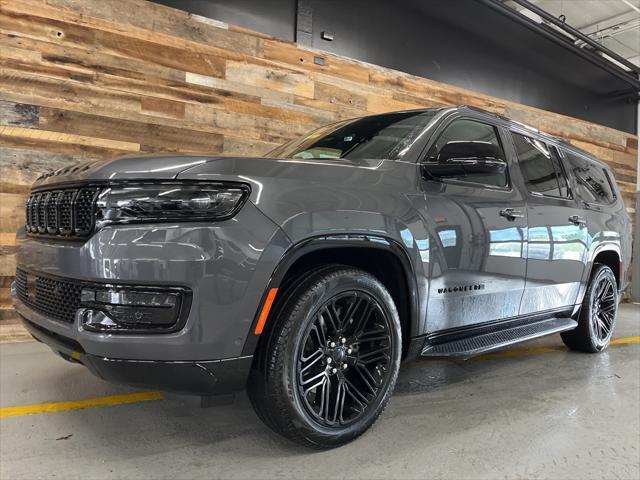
{"x":331,"y":358}
{"x":597,"y":314}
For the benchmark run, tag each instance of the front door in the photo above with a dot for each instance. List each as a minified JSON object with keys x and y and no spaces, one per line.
{"x":557,"y":235}
{"x":477,"y":223}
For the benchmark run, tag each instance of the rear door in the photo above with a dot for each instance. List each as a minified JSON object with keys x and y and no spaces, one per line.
{"x":477,"y":223}
{"x":557,"y":235}
{"x":596,"y":192}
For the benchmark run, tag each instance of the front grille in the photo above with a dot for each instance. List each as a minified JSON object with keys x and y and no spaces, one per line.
{"x":66,"y":212}
{"x":53,"y":298}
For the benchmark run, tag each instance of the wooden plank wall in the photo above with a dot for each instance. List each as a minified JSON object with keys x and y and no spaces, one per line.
{"x":85,"y":79}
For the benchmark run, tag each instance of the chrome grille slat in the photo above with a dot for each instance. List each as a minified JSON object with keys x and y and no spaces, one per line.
{"x":66,"y":212}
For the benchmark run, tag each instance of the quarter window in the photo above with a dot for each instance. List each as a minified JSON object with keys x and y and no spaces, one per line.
{"x":593,"y":181}
{"x":540,"y":167}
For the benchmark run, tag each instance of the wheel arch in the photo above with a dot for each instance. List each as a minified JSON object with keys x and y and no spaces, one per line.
{"x":611,"y":258}
{"x":391,"y":261}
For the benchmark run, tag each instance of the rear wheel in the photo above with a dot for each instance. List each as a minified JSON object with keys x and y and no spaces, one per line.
{"x":597,"y":315}
{"x":331,"y":358}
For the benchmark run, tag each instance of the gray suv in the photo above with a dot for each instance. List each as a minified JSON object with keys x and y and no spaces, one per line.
{"x":308,"y":275}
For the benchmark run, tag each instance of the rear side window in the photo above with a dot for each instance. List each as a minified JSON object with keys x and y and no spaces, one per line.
{"x":594,"y":183}
{"x":540,"y":166}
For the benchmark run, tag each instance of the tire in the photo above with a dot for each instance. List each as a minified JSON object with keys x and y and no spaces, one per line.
{"x":597,"y":318}
{"x":321,"y":335}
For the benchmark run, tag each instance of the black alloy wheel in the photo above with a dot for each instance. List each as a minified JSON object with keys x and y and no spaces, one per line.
{"x":329,"y":357}
{"x":604,"y":305}
{"x":597,"y":317}
{"x":344,"y":359}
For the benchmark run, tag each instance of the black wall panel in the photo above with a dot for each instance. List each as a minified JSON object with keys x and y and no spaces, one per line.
{"x":273,"y":17}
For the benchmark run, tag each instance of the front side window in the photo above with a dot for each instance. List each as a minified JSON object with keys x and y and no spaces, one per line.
{"x":592,"y":181}
{"x":540,"y":166}
{"x":468,"y":151}
{"x":379,"y":137}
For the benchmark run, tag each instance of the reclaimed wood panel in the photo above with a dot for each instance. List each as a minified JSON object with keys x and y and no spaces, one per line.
{"x":83,"y":79}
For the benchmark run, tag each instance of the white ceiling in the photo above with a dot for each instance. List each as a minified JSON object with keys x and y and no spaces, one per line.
{"x":614,"y":23}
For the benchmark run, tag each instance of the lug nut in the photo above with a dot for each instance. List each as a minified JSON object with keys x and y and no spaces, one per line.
{"x":332,"y":344}
{"x":335,"y":370}
{"x":343,"y":340}
{"x":329,"y":360}
{"x":344,"y":366}
{"x":349,"y":350}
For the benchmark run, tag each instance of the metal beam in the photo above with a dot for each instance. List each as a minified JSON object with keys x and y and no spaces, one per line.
{"x":304,"y":23}
{"x":562,"y":40}
{"x":576,"y":33}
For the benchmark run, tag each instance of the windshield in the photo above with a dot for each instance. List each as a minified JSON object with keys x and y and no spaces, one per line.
{"x":380,"y":137}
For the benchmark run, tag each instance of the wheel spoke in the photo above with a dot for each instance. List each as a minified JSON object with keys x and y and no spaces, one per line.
{"x":605,"y":327}
{"x":367,"y":338}
{"x":327,"y":400}
{"x":360,"y":324}
{"x":598,"y":330}
{"x":369,"y":376}
{"x":339,"y":403}
{"x":357,"y":394}
{"x":353,"y":308}
{"x":332,"y":320}
{"x":318,"y":356}
{"x":371,"y":353}
{"x":309,"y":380}
{"x":321,"y":338}
{"x":322,"y":381}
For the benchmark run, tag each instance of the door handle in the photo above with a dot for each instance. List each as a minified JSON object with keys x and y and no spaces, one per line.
{"x":511,"y":214}
{"x":577,"y":220}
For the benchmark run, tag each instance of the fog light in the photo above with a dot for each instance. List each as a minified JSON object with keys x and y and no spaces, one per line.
{"x":131,"y":309}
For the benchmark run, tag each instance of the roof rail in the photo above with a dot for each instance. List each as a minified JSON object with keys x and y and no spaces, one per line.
{"x":487,"y":112}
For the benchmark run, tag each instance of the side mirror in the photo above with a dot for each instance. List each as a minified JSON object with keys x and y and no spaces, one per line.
{"x":457,"y":159}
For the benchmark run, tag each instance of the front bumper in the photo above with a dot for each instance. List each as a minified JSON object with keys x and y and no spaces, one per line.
{"x":214,"y":377}
{"x":225,"y":265}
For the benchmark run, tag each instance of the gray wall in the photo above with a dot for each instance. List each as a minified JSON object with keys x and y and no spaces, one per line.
{"x":274,"y":17}
{"x":460,"y":42}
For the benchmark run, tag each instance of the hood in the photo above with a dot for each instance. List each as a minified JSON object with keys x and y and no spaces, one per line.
{"x":159,"y":167}
{"x":273,"y":167}
{"x":168,"y":167}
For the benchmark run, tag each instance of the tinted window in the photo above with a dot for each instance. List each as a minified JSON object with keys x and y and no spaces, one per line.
{"x":540,"y":167}
{"x":469,"y":139}
{"x":379,"y":137}
{"x":592,"y":181}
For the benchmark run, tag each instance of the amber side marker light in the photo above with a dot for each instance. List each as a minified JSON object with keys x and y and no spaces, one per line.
{"x":271,"y":296}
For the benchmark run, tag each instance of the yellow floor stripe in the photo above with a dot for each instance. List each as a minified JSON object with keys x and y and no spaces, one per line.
{"x":625,"y":340}
{"x":78,"y":404}
{"x":113,"y":400}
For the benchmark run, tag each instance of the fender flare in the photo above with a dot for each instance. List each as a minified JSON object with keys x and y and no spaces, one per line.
{"x":604,"y":247}
{"x":327,"y":242}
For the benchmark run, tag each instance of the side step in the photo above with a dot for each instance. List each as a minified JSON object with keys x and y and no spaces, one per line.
{"x":470,"y":346}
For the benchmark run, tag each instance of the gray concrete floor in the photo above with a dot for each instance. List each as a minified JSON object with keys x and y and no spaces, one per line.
{"x":540,"y":413}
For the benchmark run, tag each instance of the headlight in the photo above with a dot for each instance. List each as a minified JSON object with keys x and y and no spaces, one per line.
{"x":130,"y":203}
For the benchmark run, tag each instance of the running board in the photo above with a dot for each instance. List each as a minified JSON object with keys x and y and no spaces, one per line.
{"x":470,"y":346}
